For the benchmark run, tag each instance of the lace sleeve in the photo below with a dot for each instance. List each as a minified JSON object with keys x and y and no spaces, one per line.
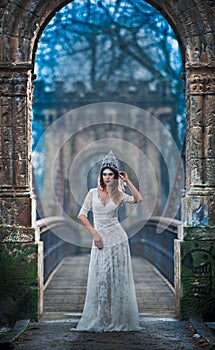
{"x":87,"y":204}
{"x":127,"y":199}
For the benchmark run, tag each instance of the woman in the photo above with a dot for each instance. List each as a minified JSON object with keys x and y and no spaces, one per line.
{"x":110,"y":303}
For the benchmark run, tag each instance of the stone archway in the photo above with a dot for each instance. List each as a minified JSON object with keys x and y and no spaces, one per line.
{"x":22,"y":23}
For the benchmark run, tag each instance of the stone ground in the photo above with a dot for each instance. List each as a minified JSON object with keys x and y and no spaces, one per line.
{"x":157,"y":334}
{"x":64,"y":300}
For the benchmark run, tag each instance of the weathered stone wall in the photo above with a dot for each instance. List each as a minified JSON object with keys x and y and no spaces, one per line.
{"x":194,"y":275}
{"x":21,"y":24}
{"x":18,"y":250}
{"x":17,"y":204}
{"x":195,"y":255}
{"x":199,"y":208}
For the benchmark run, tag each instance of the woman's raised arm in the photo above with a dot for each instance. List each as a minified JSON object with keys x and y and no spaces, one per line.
{"x":136,"y":194}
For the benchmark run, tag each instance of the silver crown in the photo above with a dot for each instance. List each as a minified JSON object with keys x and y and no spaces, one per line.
{"x":110,"y":161}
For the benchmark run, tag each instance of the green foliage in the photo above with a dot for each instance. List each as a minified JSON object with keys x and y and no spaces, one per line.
{"x":18,"y":282}
{"x":198,"y":279}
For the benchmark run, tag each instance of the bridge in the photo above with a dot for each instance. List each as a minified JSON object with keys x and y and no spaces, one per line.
{"x":66,"y":268}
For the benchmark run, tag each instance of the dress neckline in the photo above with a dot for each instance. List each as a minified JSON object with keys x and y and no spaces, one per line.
{"x":104,"y":205}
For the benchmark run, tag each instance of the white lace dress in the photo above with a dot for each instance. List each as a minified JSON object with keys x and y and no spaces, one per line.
{"x":110,"y":303}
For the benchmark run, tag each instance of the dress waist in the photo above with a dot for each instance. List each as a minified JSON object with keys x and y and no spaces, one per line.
{"x":104,"y":222}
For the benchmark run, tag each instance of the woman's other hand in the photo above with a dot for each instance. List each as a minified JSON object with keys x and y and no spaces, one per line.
{"x":98,"y":240}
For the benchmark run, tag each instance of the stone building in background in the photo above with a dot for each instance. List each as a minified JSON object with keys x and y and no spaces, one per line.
{"x":158,"y":102}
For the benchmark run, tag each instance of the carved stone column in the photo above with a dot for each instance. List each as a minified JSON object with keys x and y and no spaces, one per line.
{"x":195,"y":251}
{"x":16,"y":200}
{"x":21,"y":252}
{"x":199,"y":208}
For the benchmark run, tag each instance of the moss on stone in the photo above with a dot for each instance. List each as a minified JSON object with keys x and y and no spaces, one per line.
{"x":199,"y":232}
{"x":198,"y":279}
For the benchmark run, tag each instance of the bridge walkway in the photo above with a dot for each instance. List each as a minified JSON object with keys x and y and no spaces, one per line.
{"x":65,"y":294}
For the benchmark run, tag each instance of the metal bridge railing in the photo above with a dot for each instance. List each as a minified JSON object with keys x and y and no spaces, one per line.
{"x":55,"y":248}
{"x":158,"y":248}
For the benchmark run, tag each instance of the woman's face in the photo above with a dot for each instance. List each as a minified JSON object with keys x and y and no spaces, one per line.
{"x":108,"y":177}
